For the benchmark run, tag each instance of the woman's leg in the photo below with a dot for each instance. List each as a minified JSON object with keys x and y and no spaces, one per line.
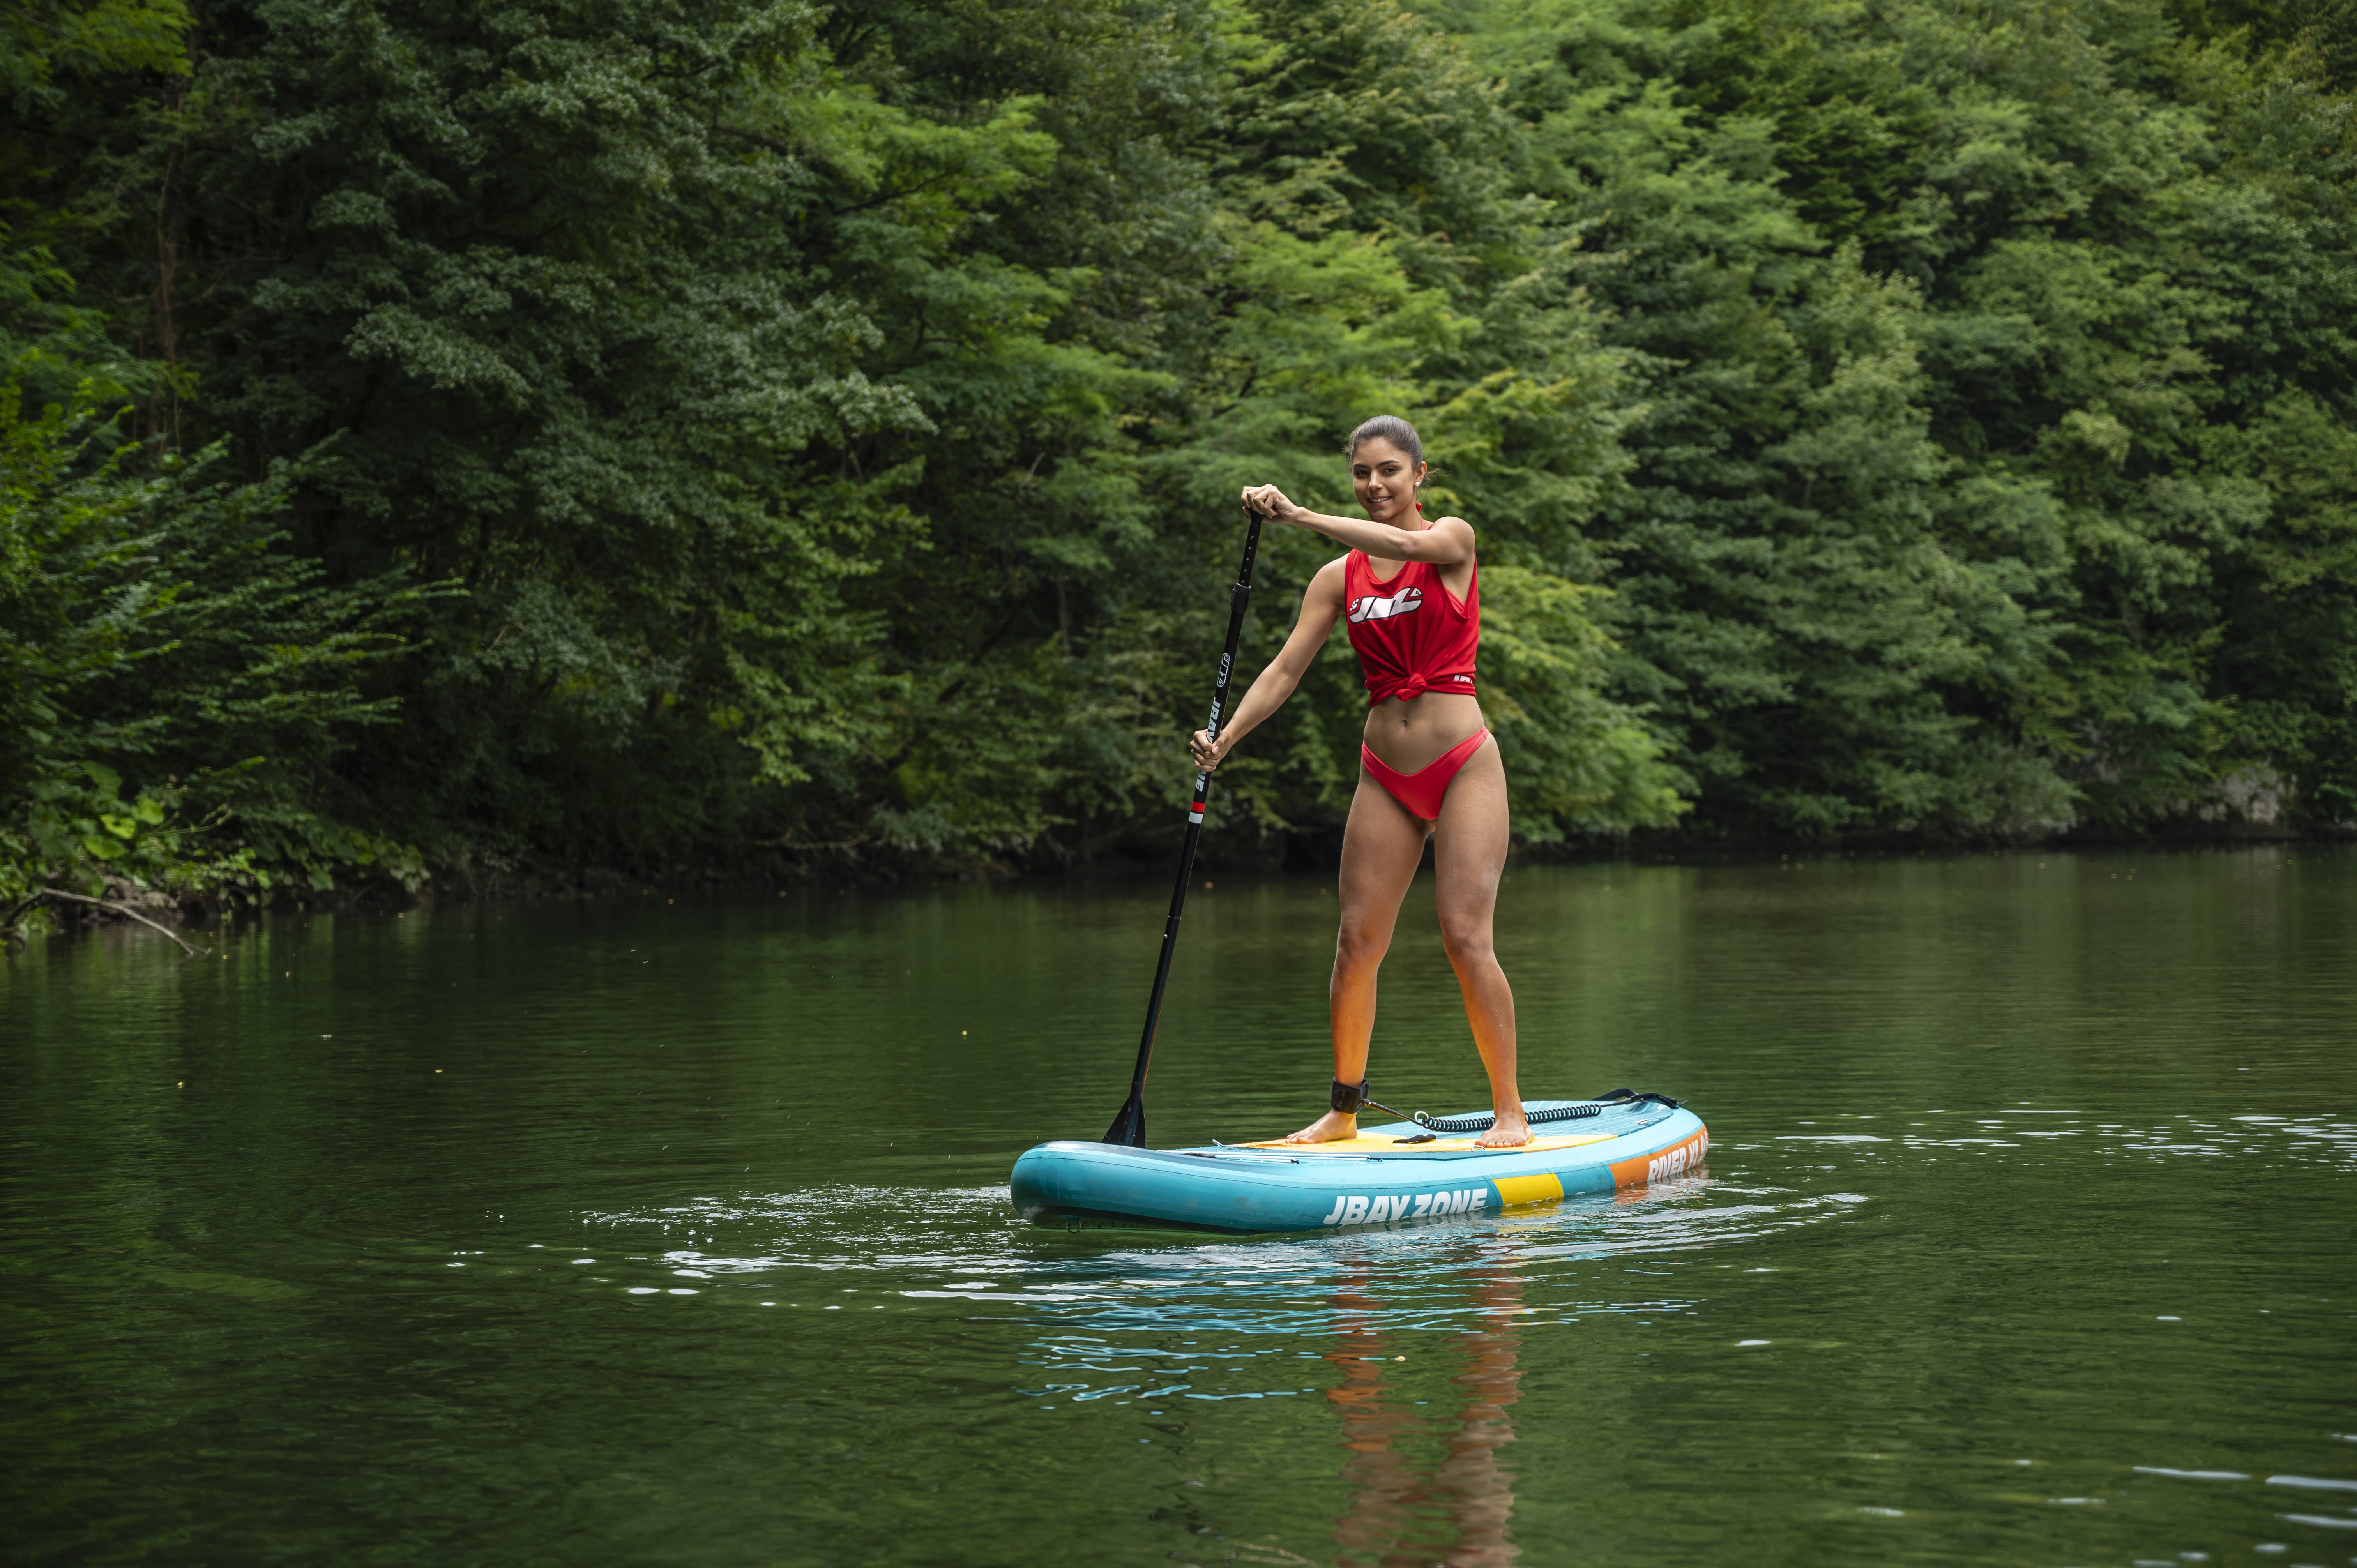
{"x":1381,"y":844}
{"x":1469,"y":851}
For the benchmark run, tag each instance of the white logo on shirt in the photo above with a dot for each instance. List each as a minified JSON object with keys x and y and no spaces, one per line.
{"x":1376,"y":606}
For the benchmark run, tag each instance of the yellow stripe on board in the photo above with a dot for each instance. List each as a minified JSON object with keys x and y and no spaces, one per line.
{"x":1517,"y":1190}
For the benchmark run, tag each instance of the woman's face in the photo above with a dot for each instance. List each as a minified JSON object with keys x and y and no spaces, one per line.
{"x":1386,"y":479}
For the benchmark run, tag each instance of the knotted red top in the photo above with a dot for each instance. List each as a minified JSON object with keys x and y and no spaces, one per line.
{"x":1410,"y":634}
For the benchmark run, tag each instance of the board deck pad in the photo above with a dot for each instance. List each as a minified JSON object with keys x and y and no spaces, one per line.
{"x":1392,"y":1144}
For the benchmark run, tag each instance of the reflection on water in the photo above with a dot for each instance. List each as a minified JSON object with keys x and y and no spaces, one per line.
{"x":1411,"y":1508}
{"x":633,"y":1232}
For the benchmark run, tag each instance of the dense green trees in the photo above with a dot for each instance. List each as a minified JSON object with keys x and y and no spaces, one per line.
{"x":769,"y":429}
{"x":1968,"y":495}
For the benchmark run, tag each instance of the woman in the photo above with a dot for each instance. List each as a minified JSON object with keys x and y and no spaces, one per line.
{"x":1429,"y":767}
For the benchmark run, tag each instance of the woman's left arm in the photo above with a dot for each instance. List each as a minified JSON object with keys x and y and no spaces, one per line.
{"x":1445,"y":543}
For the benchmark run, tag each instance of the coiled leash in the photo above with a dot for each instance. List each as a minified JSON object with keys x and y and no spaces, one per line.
{"x":1348,"y":1098}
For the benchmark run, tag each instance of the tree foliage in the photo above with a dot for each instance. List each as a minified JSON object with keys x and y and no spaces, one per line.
{"x":176,"y":685}
{"x":827,"y":420}
{"x":1967,"y":495}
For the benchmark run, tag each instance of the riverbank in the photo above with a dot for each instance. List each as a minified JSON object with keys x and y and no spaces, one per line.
{"x":513,"y":884}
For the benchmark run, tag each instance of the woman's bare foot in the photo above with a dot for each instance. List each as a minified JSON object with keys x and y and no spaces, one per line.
{"x":1509,"y":1131}
{"x":1334,"y":1127}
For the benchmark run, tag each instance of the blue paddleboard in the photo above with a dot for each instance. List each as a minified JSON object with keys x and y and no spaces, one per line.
{"x":1385,"y":1175}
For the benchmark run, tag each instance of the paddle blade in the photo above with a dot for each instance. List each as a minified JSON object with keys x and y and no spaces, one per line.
{"x":1129,"y":1127}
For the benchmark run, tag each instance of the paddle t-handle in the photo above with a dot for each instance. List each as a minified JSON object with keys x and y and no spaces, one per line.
{"x":1129,"y":1126}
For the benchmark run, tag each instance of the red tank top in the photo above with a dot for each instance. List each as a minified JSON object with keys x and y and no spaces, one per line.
{"x":1410,"y":633}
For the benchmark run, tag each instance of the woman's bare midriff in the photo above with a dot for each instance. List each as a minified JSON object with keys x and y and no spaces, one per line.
{"x":1412,"y":735}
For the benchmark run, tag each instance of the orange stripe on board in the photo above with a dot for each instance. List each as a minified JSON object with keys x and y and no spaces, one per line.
{"x":1675,"y":1160}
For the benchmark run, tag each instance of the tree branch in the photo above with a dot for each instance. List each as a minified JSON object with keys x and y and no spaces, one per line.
{"x":120,"y":910}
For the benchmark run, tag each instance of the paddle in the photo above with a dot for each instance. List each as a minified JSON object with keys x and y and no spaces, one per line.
{"x":1129,"y":1127}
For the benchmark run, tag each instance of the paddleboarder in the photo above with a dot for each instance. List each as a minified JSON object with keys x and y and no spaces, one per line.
{"x":1410,"y":592}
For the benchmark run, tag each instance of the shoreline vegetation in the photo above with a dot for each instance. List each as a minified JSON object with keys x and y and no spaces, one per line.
{"x":452,"y":448}
{"x":124,"y":903}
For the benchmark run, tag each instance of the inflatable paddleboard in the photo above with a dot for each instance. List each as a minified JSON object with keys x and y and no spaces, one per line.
{"x":1388,"y":1175}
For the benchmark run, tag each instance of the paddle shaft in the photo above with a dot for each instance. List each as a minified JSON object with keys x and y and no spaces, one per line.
{"x":1129,"y":1126}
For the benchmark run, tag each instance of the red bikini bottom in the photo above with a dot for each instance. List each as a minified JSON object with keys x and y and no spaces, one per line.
{"x":1423,"y":790}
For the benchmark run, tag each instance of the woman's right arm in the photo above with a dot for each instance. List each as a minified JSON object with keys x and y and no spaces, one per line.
{"x":1321,"y":606}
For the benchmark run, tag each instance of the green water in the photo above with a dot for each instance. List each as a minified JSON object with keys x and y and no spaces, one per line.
{"x":637,"y":1232}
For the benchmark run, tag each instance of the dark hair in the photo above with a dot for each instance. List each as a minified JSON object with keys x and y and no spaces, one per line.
{"x":1389,"y":427}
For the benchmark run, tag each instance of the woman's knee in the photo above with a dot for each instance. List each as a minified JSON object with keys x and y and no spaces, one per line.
{"x":1467,"y":942}
{"x":1360,"y":943}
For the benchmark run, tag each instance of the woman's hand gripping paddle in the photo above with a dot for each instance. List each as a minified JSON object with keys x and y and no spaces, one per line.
{"x":1129,"y":1127}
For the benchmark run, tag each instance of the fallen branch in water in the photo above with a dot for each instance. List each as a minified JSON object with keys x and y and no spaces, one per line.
{"x":119,"y":909}
{"x":8,"y":921}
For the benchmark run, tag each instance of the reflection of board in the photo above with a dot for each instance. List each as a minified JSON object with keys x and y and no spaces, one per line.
{"x":1373,"y":1179}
